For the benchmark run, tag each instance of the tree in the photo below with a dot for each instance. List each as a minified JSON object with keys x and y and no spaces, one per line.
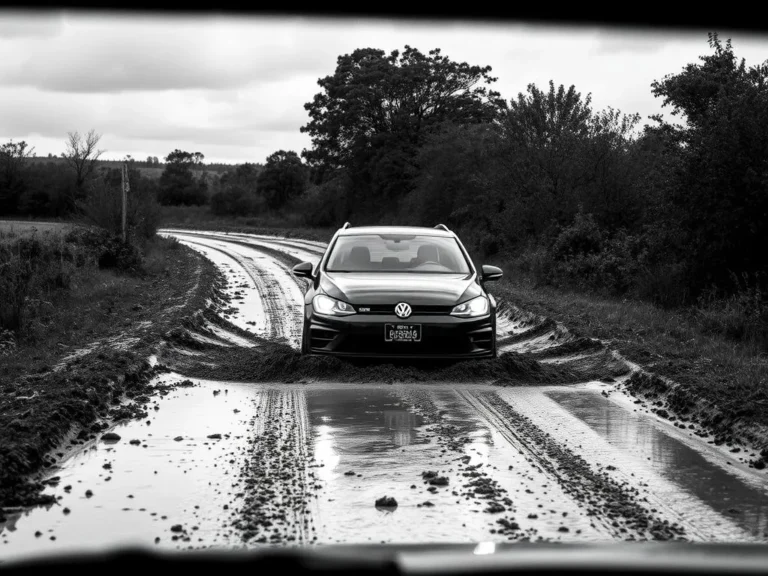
{"x":283,"y":179}
{"x":177,"y":182}
{"x":13,"y":157}
{"x":719,"y":190}
{"x":81,"y":155}
{"x":560,"y":155}
{"x":375,"y":110}
{"x":238,"y":192}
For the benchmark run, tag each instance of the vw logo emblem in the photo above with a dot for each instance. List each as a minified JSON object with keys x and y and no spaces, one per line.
{"x":403,"y":310}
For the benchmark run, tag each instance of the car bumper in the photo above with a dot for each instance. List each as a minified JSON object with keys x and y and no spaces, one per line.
{"x":442,"y":336}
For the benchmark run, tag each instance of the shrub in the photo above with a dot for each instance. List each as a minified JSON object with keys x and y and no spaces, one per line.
{"x":741,"y":315}
{"x":581,"y":238}
{"x":120,"y":255}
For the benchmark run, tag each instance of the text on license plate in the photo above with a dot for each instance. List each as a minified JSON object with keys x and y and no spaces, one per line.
{"x":402,"y":332}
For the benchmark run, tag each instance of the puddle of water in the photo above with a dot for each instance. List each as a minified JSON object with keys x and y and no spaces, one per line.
{"x":149,"y":487}
{"x":746,"y":505}
{"x":372,"y":432}
{"x":376,"y":432}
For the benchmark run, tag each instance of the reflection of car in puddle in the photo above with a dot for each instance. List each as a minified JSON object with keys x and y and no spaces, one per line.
{"x":402,"y":423}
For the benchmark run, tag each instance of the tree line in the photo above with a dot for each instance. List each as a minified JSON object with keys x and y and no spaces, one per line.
{"x":59,"y":187}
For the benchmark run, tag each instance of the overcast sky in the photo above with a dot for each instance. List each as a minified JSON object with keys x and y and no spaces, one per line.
{"x":234,"y":88}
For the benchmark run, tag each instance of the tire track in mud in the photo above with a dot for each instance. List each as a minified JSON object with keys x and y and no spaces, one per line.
{"x":512,"y":497}
{"x":617,"y":506}
{"x":276,"y":476}
{"x":664,"y":498}
{"x":296,"y":249}
{"x":281,"y":314}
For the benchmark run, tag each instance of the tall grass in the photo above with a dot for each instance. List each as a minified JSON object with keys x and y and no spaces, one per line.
{"x":31,"y":267}
{"x":35,"y":266}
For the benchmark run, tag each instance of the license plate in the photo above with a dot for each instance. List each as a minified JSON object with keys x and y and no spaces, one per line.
{"x":402,"y":332}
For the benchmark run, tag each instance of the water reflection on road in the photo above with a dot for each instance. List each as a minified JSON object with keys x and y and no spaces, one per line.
{"x":668,"y":456}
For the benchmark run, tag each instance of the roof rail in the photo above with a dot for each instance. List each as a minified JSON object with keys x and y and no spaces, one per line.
{"x":346,"y":225}
{"x":442,"y":227}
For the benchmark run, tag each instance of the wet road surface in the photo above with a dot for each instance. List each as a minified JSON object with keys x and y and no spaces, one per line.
{"x":222,"y":464}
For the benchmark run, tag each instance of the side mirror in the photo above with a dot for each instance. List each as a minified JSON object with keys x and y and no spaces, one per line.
{"x":491,"y":273}
{"x":303,"y":270}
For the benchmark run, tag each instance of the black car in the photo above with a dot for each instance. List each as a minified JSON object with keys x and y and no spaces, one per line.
{"x":398,"y":292}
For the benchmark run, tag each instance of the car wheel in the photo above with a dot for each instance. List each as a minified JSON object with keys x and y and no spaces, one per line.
{"x":495,"y":353}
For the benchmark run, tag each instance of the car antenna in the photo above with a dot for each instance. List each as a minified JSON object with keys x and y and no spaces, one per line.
{"x":442,"y":227}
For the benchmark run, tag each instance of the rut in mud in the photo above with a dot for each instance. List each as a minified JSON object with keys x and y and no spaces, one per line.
{"x":275,"y":480}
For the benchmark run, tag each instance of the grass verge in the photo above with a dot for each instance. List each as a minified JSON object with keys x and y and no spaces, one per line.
{"x":112,"y":322}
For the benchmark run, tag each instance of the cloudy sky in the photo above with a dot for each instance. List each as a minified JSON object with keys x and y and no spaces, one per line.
{"x":234,"y":88}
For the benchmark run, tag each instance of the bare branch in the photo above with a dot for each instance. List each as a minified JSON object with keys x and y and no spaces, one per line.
{"x":81,"y":154}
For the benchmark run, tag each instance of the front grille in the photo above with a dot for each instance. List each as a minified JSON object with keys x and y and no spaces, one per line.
{"x":424,"y":310}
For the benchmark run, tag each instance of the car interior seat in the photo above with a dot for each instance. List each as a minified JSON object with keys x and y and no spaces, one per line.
{"x":425,"y":253}
{"x":359,"y":258}
{"x":390,"y":262}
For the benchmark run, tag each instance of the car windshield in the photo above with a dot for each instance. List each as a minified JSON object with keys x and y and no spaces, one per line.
{"x":419,"y":253}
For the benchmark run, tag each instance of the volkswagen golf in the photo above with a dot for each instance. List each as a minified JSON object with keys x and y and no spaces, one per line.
{"x":398,"y":292}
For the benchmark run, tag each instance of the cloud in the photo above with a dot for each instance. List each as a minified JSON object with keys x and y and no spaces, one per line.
{"x":637,"y":41}
{"x":141,"y":54}
{"x":159,"y":121}
{"x":30,"y":25}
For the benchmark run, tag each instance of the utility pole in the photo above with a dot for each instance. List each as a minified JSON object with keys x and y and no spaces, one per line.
{"x":126,"y":187}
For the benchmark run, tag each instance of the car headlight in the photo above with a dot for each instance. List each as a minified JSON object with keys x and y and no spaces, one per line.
{"x":471,"y":308}
{"x":331,"y":307}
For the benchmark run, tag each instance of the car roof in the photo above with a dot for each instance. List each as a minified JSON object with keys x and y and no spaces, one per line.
{"x":395,"y":230}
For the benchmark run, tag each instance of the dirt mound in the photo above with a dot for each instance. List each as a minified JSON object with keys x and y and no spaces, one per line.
{"x":275,"y":362}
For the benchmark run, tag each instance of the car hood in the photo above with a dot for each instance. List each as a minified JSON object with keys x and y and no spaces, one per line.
{"x":391,"y":288}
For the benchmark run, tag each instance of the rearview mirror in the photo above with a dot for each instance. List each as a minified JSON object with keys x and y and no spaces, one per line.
{"x":303,"y":270}
{"x":491,"y":273}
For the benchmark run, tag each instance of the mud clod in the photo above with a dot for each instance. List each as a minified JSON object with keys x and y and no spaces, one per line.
{"x":439,"y":481}
{"x":386,"y":502}
{"x":110,"y":437}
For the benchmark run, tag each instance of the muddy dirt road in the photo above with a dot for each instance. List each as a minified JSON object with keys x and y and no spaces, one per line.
{"x":223,"y":463}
